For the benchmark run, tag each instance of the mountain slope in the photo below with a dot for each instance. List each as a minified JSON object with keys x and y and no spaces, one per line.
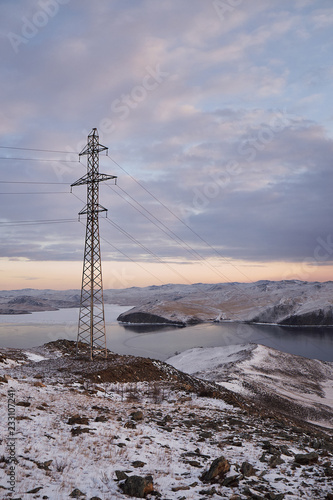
{"x":290,"y":384}
{"x":96,"y":430}
{"x":283,"y":302}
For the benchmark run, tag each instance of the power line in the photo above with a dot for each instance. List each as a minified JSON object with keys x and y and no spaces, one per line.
{"x":39,"y":159}
{"x":36,"y":222}
{"x":33,"y":182}
{"x":42,"y":150}
{"x":134,"y":240}
{"x":132,"y":260}
{"x":177,"y":239}
{"x":40,"y":192}
{"x":137,"y":242}
{"x":124,"y":254}
{"x":178,"y":218}
{"x":159,"y":259}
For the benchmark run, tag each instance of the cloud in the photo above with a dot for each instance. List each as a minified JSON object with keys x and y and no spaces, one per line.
{"x":224,"y":120}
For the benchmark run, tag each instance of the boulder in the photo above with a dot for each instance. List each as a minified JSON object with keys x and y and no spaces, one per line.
{"x":76,"y":419}
{"x":137,"y":486}
{"x":137,"y":415}
{"x":219,"y":467}
{"x":247,"y":469}
{"x":307,"y":458}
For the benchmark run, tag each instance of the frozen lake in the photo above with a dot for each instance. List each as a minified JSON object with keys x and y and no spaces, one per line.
{"x":161,"y":342}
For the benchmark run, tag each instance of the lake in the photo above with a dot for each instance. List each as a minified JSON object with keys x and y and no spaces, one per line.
{"x":161,"y":342}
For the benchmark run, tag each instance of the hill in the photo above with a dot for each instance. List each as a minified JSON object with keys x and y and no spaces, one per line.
{"x":288,"y":302}
{"x":131,"y":427}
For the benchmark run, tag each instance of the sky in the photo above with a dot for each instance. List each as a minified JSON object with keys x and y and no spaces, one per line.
{"x":218,"y":123}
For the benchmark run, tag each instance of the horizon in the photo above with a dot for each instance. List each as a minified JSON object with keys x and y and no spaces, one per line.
{"x":169,"y":284}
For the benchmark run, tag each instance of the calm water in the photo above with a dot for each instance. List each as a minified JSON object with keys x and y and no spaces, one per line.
{"x":161,"y":342}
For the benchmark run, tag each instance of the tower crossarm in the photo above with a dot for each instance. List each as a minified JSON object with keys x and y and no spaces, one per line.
{"x":87,"y":178}
{"x":87,"y":210}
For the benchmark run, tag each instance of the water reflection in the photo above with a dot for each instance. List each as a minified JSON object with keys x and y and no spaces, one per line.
{"x":148,"y":328}
{"x":162,"y":341}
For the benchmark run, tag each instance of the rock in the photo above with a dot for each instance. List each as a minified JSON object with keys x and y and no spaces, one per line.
{"x":102,"y":418}
{"x":307,"y":458}
{"x":231,"y":481}
{"x":275,"y":460}
{"x":328,"y":471}
{"x":23,"y":403}
{"x":36,"y":490}
{"x":121,"y":475}
{"x":205,"y":435}
{"x":137,"y":415}
{"x":210,"y":492}
{"x":180,"y":488}
{"x":44,"y":465}
{"x":219,"y":467}
{"x":193,"y":463}
{"x":130,"y":425}
{"x":252,"y":494}
{"x":39,"y":384}
{"x":247,"y":469}
{"x":285,"y":450}
{"x":137,"y":486}
{"x":137,"y":463}
{"x":76,"y":431}
{"x":76,"y":493}
{"x":270,"y":448}
{"x":76,"y":419}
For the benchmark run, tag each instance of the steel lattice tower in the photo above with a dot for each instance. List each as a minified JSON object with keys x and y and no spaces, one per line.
{"x":91,"y":329}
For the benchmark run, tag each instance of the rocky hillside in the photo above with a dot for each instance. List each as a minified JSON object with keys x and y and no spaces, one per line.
{"x":133,"y":427}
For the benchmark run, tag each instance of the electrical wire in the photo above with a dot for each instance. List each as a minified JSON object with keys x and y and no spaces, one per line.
{"x":33,"y":182}
{"x":178,"y":218}
{"x":39,"y":159}
{"x":134,"y":240}
{"x":171,"y":234}
{"x":42,"y":150}
{"x":181,"y":242}
{"x":35,"y":222}
{"x":40,"y":192}
{"x":159,"y":259}
{"x":132,"y":260}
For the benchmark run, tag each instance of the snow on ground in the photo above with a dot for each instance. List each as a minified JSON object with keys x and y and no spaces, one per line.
{"x":34,"y":357}
{"x":267,"y":375}
{"x":176,"y":440}
{"x":199,"y":360}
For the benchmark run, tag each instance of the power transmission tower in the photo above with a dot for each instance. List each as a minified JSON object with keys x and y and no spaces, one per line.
{"x":91,"y":329}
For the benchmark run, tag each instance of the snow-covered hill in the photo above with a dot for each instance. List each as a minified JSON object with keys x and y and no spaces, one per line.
{"x":283,"y":302}
{"x":133,"y":427}
{"x":283,"y":382}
